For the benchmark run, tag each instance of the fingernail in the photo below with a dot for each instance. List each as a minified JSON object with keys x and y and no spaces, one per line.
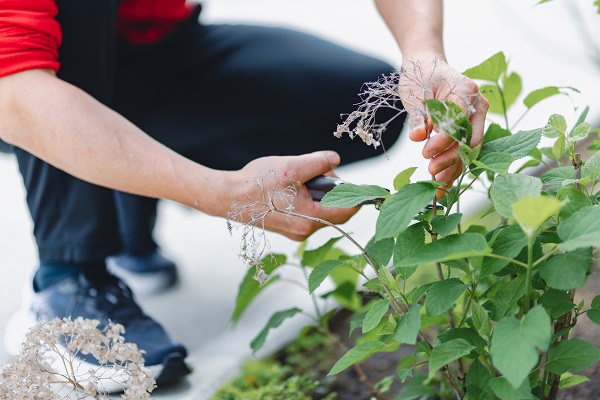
{"x":333,"y":158}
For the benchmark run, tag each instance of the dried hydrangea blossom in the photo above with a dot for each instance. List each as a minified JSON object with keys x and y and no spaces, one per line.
{"x":251,"y":213}
{"x":415,"y":82}
{"x":46,"y":368}
{"x":374,"y":96}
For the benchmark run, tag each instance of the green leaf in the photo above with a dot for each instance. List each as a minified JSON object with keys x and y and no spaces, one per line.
{"x":250,"y":288}
{"x":594,"y":312}
{"x":596,"y":303}
{"x":408,"y":242}
{"x":509,"y":243}
{"x":468,"y":334}
{"x":556,"y":302}
{"x":556,"y":126}
{"x":449,"y":248}
{"x":494,"y":98}
{"x":580,"y":132}
{"x":510,"y":188}
{"x":416,"y":388}
{"x":404,"y":374}
{"x":375,"y":314}
{"x":322,"y":271}
{"x":507,"y":296}
{"x":380,"y":251}
{"x":312,"y":258}
{"x":356,"y":355}
{"x":403,"y":178}
{"x":573,"y":354}
{"x":556,"y":176}
{"x":275,"y":320}
{"x":518,"y":145}
{"x":461,"y":265}
{"x":349,"y":195}
{"x":419,"y":291}
{"x":477,"y":384}
{"x":489,"y":70}
{"x":409,"y":325}
{"x":512,"y":88}
{"x":356,"y":323}
{"x":496,"y":162}
{"x":445,"y":224}
{"x":580,"y":229}
{"x":531,"y":212}
{"x":495,"y":131}
{"x":573,"y":200}
{"x":591,"y":168}
{"x":397,"y":212}
{"x":481,"y":319}
{"x":449,"y":117}
{"x":503,"y":389}
{"x":568,"y":270}
{"x":540,"y":94}
{"x":446,"y":353}
{"x":442,"y":295}
{"x":558,"y":149}
{"x":568,"y":380}
{"x":514,"y":344}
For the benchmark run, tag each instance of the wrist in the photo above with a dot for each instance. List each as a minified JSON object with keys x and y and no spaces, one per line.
{"x":424,"y":53}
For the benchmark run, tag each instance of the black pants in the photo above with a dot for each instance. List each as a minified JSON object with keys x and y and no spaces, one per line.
{"x":221,"y":95}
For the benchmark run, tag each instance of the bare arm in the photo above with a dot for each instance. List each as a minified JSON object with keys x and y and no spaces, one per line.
{"x":417,"y":26}
{"x":67,"y":128}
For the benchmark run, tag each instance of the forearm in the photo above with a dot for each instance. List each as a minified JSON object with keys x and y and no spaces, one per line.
{"x":67,"y":128}
{"x":417,"y":25}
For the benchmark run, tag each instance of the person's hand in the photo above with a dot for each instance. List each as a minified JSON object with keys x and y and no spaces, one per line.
{"x":265,"y":179}
{"x":429,"y":76}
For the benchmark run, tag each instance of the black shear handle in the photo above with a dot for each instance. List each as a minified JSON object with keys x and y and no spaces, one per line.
{"x":321,"y":184}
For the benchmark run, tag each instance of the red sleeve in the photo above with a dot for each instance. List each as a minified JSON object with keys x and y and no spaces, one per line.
{"x":29,"y":35}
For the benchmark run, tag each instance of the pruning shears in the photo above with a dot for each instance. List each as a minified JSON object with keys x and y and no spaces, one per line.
{"x":321,"y":184}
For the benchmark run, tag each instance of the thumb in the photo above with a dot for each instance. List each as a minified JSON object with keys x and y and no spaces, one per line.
{"x":317,"y":163}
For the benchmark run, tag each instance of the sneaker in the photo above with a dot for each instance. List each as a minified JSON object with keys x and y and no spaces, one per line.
{"x":5,"y":147}
{"x":80,"y":297}
{"x":144,"y":274}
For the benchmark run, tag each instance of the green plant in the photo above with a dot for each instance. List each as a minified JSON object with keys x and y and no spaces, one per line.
{"x":488,"y":310}
{"x":284,"y":377}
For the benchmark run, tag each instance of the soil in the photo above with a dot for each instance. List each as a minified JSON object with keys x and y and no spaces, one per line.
{"x":348,"y":385}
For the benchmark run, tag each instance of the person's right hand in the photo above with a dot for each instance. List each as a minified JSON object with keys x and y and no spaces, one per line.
{"x":427,"y":76}
{"x":262,"y":179}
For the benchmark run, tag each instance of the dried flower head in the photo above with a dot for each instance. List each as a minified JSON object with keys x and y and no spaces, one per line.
{"x":47,"y":366}
{"x":251,"y":212}
{"x":362,"y":122}
{"x":400,"y":92}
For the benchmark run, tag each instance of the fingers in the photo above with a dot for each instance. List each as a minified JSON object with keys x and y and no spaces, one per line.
{"x":418,"y":133}
{"x":309,"y":165}
{"x":481,"y":106}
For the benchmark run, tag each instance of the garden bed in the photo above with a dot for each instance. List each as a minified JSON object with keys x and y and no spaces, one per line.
{"x":310,"y":358}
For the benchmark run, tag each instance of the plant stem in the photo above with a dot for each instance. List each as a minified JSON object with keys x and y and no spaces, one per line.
{"x":312,"y":296}
{"x":492,"y":255}
{"x":529,"y":273}
{"x":393,"y":299}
